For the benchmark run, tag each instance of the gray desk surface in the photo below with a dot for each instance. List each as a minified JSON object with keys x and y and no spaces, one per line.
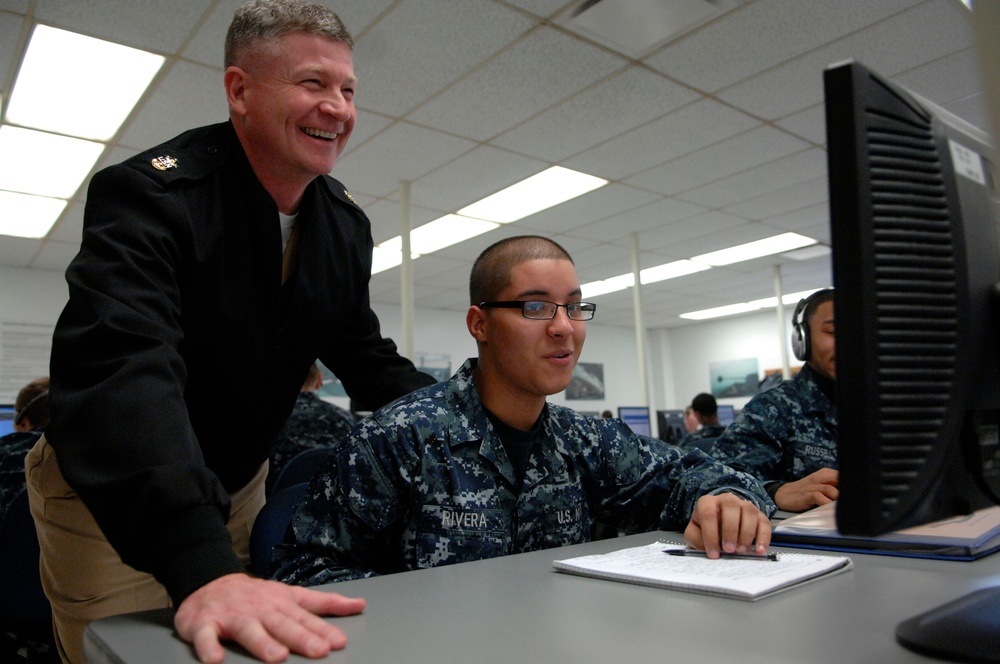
{"x":517,"y":609}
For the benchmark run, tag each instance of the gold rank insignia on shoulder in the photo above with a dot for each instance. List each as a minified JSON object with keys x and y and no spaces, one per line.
{"x":164,"y":162}
{"x":350,"y":198}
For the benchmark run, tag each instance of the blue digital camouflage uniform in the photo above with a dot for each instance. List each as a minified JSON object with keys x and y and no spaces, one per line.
{"x":13,"y":448}
{"x":426,"y":482}
{"x":785,"y":433}
{"x":313,"y":423}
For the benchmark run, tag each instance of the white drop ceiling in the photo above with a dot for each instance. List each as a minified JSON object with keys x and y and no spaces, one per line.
{"x":710,"y":137}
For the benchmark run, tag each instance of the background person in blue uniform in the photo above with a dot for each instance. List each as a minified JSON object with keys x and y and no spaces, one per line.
{"x":313,"y":423}
{"x":213,"y":270}
{"x":481,"y":466}
{"x":705,"y":410}
{"x":31,"y":416}
{"x":787,"y":436}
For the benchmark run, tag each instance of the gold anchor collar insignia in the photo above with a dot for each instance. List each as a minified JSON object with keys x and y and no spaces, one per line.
{"x":350,"y":198}
{"x":164,"y":162}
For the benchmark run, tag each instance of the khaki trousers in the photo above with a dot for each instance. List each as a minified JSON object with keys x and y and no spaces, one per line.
{"x":82,"y":575}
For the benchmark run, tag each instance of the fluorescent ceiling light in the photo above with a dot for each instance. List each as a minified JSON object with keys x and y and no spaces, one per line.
{"x":728,"y":310}
{"x":36,"y":162}
{"x":446,"y":231}
{"x":808,"y":253}
{"x":77,"y":85}
{"x":786,"y":299}
{"x":750,"y":250}
{"x":22,"y":215}
{"x":648,"y":276}
{"x":432,"y":236}
{"x":550,"y":187}
{"x":385,"y":258}
{"x":670,"y":271}
{"x":604,"y":286}
{"x":777,"y":244}
{"x":747,"y":307}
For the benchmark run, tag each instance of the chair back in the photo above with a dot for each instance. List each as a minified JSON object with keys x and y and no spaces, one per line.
{"x":271,"y":525}
{"x":703,"y":444}
{"x":300,"y":468}
{"x":24,"y":608}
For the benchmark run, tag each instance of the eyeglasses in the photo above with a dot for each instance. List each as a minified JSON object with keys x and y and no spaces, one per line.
{"x":542,"y":310}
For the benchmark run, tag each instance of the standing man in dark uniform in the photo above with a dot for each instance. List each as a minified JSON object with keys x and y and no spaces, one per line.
{"x":227,"y":251}
{"x":787,"y":436}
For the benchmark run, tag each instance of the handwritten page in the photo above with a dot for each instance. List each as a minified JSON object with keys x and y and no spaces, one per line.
{"x":738,"y":578}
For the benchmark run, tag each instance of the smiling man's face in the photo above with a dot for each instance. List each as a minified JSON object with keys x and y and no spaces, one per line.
{"x":295,"y":105}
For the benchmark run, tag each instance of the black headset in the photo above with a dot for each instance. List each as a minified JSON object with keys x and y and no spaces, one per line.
{"x":19,"y":414}
{"x":801,"y":344}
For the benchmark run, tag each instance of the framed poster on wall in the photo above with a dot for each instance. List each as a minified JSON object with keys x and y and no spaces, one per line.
{"x":734,"y":378}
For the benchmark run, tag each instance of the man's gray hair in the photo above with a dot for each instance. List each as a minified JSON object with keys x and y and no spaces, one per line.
{"x":259,"y":22}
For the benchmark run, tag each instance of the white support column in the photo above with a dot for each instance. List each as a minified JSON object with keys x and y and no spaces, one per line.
{"x":779,"y":292}
{"x":640,"y":330}
{"x":405,"y":273}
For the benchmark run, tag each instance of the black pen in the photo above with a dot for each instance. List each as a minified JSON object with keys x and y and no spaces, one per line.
{"x":722,"y":554}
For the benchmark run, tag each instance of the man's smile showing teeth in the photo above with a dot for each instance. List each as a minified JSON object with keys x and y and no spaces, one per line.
{"x":317,"y":133}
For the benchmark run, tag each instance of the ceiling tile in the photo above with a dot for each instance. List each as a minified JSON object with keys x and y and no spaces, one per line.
{"x":627,"y":99}
{"x":190,"y":95}
{"x":793,"y":169}
{"x":152,"y":25}
{"x":546,"y":67}
{"x":757,"y":146}
{"x":762,"y":35}
{"x":402,"y":152}
{"x":682,"y":132}
{"x":465,"y":34}
{"x":934,"y":30}
{"x":781,"y":201}
{"x":474,"y":175}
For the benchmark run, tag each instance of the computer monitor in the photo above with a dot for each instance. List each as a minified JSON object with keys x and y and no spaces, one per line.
{"x":726,"y":413}
{"x":637,"y":418}
{"x":670,"y":426}
{"x":6,"y":419}
{"x":916,"y":267}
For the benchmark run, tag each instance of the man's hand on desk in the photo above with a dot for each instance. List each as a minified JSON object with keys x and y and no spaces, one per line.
{"x":727,"y":523}
{"x":268,"y":618}
{"x":819,"y":488}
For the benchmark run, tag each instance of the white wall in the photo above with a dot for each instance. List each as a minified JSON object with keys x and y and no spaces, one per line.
{"x":31,"y":296}
{"x":678,"y":366}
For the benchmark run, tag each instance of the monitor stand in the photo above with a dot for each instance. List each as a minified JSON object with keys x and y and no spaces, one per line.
{"x":966,"y":629}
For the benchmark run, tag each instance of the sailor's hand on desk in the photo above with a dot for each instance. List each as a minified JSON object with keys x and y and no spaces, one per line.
{"x":819,"y":488}
{"x":267,"y":618}
{"x":727,"y":523}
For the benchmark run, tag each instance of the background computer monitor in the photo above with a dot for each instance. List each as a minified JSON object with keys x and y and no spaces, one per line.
{"x":636,"y":417}
{"x":6,"y":419}
{"x":670,"y":426}
{"x":916,"y":266}
{"x":727,"y":413}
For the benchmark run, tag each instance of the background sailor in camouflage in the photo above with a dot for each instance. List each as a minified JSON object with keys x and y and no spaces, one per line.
{"x":787,"y":436}
{"x":481,"y":466}
{"x":705,"y":410}
{"x":31,"y":416}
{"x":313,"y":423}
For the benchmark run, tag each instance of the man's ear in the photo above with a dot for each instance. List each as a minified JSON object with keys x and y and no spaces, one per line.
{"x":475,"y":320}
{"x":235,"y":81}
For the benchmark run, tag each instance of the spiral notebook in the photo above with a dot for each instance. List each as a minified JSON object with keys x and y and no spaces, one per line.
{"x":746,"y":579}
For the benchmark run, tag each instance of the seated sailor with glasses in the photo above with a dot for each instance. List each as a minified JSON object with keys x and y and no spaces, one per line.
{"x":481,"y":466}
